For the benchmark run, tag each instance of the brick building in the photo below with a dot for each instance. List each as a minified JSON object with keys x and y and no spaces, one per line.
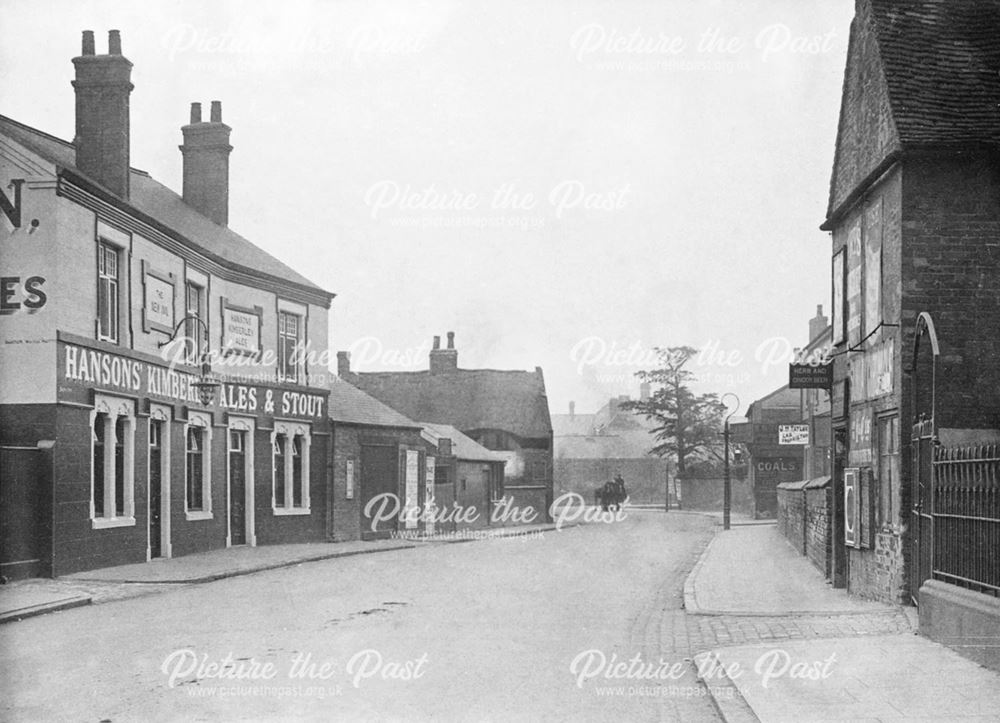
{"x":504,"y":411}
{"x":914,"y":212}
{"x":376,"y":451}
{"x":109,"y":454}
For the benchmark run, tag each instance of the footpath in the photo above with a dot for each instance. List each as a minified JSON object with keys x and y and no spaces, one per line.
{"x":828,"y":656}
{"x":27,"y":598}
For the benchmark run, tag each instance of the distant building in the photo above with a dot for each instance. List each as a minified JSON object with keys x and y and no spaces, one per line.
{"x":109,"y":453}
{"x":591,"y":449}
{"x":505,"y":411}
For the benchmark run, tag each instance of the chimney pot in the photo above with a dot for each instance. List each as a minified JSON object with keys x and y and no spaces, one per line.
{"x":343,"y":364}
{"x":437,"y":342}
{"x":451,"y":340}
{"x":196,"y":112}
{"x":114,"y":42}
{"x":88,"y":43}
{"x":216,"y":111}
{"x":819,"y":310}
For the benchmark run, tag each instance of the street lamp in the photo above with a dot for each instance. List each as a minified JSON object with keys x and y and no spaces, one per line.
{"x":206,"y":384}
{"x":727,"y":488}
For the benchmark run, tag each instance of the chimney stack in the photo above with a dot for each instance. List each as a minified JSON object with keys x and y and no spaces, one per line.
{"x":343,"y":364}
{"x":443,"y":361}
{"x":572,"y":409}
{"x":103,"y":84}
{"x":818,"y":323}
{"x":206,"y":163}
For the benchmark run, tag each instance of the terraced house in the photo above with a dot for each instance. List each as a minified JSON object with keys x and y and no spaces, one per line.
{"x":151,"y":400}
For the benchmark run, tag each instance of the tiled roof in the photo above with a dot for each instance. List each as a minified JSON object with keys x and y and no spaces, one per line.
{"x":468,"y":399}
{"x":463,"y":447}
{"x":166,"y":207}
{"x":350,"y":405}
{"x":941,"y":60}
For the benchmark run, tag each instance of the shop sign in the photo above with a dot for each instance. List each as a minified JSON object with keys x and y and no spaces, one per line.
{"x":793,"y":434}
{"x":241,"y":329}
{"x":810,"y":376}
{"x":350,"y":479}
{"x":861,"y":437}
{"x":89,"y":368}
{"x":852,"y":507}
{"x":778,"y":465}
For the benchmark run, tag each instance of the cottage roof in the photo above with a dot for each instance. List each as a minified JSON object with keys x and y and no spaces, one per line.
{"x":462,"y":446}
{"x":157,"y":202}
{"x":941,"y":60}
{"x":468,"y":399}
{"x":350,"y":405}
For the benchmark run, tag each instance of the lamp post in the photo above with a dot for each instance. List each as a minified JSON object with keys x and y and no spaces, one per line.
{"x":727,"y":488}
{"x":206,"y":384}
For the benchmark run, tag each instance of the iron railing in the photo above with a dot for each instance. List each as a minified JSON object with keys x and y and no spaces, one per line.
{"x":966,"y":513}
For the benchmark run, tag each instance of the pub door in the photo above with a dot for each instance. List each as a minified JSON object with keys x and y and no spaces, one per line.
{"x":237,"y":487}
{"x":155,"y":488}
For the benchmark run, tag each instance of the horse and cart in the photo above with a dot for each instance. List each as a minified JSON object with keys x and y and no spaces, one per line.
{"x":611,"y":495}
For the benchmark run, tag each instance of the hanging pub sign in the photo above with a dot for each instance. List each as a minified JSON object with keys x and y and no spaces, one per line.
{"x":810,"y":376}
{"x":158,"y":302}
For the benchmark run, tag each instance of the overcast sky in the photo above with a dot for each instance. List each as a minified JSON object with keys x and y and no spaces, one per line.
{"x":556,"y":182}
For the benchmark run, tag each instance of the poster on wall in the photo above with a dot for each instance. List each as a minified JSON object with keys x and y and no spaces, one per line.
{"x":412,"y":487}
{"x":873,"y":266}
{"x":855,"y":298}
{"x":429,"y":492}
{"x":852,"y":508}
{"x":837,"y":315}
{"x":793,"y":434}
{"x":350,"y":479}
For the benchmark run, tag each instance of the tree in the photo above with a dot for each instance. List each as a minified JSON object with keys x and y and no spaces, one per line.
{"x":687,"y":424}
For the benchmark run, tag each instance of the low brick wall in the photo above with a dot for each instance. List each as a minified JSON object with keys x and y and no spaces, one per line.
{"x":804,"y":514}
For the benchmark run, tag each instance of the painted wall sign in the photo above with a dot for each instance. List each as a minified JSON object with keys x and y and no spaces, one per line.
{"x":82,"y":369}
{"x":15,"y":295}
{"x":241,"y":329}
{"x":12,"y":209}
{"x":810,"y":376}
{"x":158,"y":300}
{"x":878,"y":369}
{"x":860,"y":452}
{"x":793,"y":434}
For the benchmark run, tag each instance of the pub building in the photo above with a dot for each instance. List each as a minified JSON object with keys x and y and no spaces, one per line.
{"x":152,"y":402}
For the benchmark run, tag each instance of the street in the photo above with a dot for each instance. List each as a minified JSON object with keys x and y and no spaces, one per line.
{"x":530,"y":628}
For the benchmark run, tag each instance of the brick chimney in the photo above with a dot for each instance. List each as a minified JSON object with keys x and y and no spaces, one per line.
{"x":343,"y":364}
{"x":443,"y":361}
{"x":572,"y":410}
{"x":206,"y":164}
{"x":818,"y":323}
{"x":102,"y":85}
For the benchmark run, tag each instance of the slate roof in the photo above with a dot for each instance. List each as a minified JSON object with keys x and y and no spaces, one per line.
{"x":467,"y":399}
{"x":463,"y":447}
{"x":158,"y":202}
{"x":941,"y":60}
{"x":350,"y":405}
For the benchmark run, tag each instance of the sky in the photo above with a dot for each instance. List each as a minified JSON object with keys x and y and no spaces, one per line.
{"x":567,"y":184}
